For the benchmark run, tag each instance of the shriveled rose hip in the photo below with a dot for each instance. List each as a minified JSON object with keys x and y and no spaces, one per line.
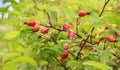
{"x":71,"y":34}
{"x":45,"y":30}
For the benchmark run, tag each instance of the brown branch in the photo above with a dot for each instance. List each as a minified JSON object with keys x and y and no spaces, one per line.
{"x":92,"y":30}
{"x":34,"y":1}
{"x":102,"y":38}
{"x":78,"y":35}
{"x":116,"y":55}
{"x":85,"y":41}
{"x":53,"y":37}
{"x":92,"y":34}
{"x":59,"y":61}
{"x":58,"y":29}
{"x":74,"y":55}
{"x":115,"y":67}
{"x":115,"y":45}
{"x":103,"y":8}
{"x":47,"y":66}
{"x":48,"y":17}
{"x":82,"y":46}
{"x":52,"y":27}
{"x":104,"y":47}
{"x":77,"y":24}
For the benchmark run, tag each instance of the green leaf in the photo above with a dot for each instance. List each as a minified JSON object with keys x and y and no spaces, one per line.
{"x":53,"y":15}
{"x":97,"y":65}
{"x":15,"y":12}
{"x":11,"y":35}
{"x":47,"y":53}
{"x":25,"y":59}
{"x":10,"y":66}
{"x":17,"y":47}
{"x":9,"y":1}
{"x":70,"y":14}
{"x":44,"y":50}
{"x":4,"y":9}
{"x":9,"y":57}
{"x":75,"y":65}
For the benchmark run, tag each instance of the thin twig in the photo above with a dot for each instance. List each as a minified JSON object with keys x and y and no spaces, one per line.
{"x":48,"y":18}
{"x":59,"y":61}
{"x":104,"y":47}
{"x":82,"y":46}
{"x":74,"y":55}
{"x":103,"y":8}
{"x":53,"y":37}
{"x":52,"y":27}
{"x":58,"y":29}
{"x":114,"y":45}
{"x":92,"y":34}
{"x":77,"y":24}
{"x":47,"y":66}
{"x":85,"y":41}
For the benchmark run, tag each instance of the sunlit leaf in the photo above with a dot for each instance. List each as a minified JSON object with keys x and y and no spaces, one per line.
{"x":9,"y":57}
{"x":11,"y":35}
{"x":97,"y":65}
{"x":25,"y":59}
{"x":10,"y":66}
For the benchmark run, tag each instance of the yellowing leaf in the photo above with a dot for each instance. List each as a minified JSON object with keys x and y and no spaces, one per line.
{"x":25,"y":59}
{"x":11,"y":35}
{"x":9,"y":57}
{"x":9,"y":66}
{"x":97,"y":65}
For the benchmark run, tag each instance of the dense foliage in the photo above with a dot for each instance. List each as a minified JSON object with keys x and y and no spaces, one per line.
{"x":60,"y":35}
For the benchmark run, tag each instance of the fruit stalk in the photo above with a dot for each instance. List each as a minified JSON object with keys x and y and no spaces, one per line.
{"x":103,"y":8}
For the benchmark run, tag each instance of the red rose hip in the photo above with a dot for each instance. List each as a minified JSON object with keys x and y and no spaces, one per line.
{"x":36,"y":28}
{"x":110,"y":39}
{"x":66,"y":26}
{"x":64,"y":54}
{"x":45,"y":30}
{"x":71,"y":34}
{"x":31,"y":23}
{"x":83,"y":13}
{"x":65,"y":46}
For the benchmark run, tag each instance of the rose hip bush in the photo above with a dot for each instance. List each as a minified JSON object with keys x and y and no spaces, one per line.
{"x":61,"y":35}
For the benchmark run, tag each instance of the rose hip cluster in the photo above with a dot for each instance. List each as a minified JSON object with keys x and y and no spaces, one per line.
{"x":66,"y":28}
{"x":35,"y":27}
{"x":108,"y":38}
{"x":71,"y":33}
{"x":65,"y":51}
